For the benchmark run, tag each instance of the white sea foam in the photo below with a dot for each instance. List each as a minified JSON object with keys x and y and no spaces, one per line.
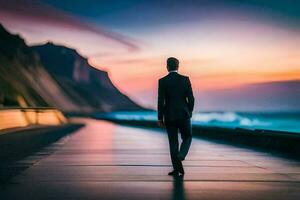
{"x":229,"y":118}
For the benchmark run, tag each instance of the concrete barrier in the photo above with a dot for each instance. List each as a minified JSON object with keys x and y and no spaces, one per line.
{"x":23,"y":117}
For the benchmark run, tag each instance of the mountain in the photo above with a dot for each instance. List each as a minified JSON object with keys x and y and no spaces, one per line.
{"x":82,"y":82}
{"x":51,"y":75}
{"x":22,"y":77}
{"x":269,"y":96}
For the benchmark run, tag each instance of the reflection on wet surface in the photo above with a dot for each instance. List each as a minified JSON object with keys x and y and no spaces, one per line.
{"x":178,"y":192}
{"x":107,"y":161}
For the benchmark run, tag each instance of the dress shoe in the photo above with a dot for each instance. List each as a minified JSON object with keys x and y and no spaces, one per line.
{"x":173,"y":173}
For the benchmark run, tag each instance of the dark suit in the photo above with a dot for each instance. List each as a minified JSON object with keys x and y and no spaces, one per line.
{"x":175,"y":107}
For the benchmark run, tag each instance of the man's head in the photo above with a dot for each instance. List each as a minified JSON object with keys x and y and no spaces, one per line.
{"x":172,"y":64}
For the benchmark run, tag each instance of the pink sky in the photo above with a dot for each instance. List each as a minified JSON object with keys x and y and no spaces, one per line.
{"x":218,"y":52}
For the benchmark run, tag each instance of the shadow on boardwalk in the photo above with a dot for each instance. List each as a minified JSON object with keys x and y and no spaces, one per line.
{"x":22,"y":143}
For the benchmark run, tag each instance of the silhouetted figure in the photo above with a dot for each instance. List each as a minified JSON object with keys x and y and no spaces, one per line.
{"x":175,"y":107}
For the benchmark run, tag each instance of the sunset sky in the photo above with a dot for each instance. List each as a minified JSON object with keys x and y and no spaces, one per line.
{"x":220,"y":44}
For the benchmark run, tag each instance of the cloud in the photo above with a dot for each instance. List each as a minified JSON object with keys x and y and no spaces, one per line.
{"x":266,"y":96}
{"x":37,"y":12}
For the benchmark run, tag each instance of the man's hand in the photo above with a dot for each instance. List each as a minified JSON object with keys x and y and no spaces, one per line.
{"x":161,"y":123}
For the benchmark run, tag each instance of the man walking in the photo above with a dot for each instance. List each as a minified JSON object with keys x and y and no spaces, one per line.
{"x":175,"y":107}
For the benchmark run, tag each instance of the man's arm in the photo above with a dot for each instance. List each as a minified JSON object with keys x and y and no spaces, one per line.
{"x":161,"y":101}
{"x":190,"y":96}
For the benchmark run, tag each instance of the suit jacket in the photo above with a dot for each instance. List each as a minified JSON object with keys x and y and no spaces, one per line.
{"x":175,"y":97}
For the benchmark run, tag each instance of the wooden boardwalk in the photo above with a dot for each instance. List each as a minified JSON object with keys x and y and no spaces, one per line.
{"x":107,"y":161}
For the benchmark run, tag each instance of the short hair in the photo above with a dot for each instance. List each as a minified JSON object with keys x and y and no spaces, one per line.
{"x":172,"y":63}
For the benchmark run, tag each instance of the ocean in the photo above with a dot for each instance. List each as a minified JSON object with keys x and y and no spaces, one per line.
{"x":277,"y":121}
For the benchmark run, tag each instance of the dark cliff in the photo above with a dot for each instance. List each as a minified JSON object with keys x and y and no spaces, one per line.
{"x":18,"y":65}
{"x":51,"y":75}
{"x":85,"y":84}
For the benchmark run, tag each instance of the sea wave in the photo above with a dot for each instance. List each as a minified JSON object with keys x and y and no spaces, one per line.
{"x":213,"y":118}
{"x":269,"y":121}
{"x":133,"y":115}
{"x":229,"y":118}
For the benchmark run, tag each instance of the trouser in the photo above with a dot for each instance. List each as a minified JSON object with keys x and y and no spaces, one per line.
{"x":184,"y":127}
